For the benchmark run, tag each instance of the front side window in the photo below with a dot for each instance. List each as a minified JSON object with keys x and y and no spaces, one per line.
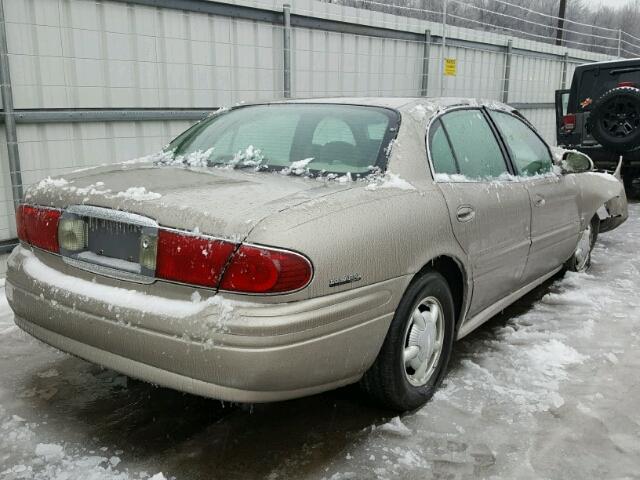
{"x":529,"y":153}
{"x":325,"y":138}
{"x":463,"y":140}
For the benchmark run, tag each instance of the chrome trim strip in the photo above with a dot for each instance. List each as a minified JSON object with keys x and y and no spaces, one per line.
{"x":112,"y":215}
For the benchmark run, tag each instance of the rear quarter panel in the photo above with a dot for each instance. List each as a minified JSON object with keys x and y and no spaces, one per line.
{"x":376,"y":235}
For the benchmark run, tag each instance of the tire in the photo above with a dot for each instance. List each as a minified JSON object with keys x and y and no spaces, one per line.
{"x":578,"y":262}
{"x":615,"y":119}
{"x":389,"y":381}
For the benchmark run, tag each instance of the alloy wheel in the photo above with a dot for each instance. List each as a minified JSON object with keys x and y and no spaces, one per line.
{"x":621,"y":118}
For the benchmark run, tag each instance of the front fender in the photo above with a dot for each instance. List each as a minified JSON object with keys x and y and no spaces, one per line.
{"x":602,"y":194}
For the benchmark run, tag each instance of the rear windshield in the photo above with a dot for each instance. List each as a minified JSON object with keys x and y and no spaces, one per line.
{"x":595,"y":82}
{"x":310,"y":138}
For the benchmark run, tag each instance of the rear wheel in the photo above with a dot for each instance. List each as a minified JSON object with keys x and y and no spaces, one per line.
{"x":413,"y":359}
{"x":580,"y":261}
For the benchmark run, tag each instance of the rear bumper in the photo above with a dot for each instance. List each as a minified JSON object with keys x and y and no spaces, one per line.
{"x":243,"y":352}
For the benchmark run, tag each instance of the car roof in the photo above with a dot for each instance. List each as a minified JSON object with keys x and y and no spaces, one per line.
{"x":408,"y":103}
{"x":609,"y":64}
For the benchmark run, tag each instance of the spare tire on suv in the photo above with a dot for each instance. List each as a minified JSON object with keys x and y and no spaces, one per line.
{"x":615,"y":119}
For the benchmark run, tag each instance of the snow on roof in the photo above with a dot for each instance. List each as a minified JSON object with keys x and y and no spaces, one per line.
{"x":404,"y":103}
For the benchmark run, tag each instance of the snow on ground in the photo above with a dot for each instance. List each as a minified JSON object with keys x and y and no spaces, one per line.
{"x":548,"y":389}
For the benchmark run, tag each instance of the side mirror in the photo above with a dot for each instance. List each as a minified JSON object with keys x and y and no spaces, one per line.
{"x":575,"y":162}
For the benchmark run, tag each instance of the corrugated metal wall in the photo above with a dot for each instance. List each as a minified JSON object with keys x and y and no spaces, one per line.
{"x":79,"y":54}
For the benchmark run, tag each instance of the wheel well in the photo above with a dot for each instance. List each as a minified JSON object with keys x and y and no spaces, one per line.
{"x":453,"y":273}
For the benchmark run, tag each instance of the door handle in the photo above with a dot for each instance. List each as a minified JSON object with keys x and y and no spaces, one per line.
{"x":465,"y":213}
{"x":539,"y":201}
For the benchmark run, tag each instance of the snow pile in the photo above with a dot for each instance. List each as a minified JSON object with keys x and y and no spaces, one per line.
{"x":50,"y":451}
{"x":346,"y":178}
{"x":389,"y":148}
{"x":298,"y":167}
{"x":453,"y":178}
{"x":388,"y":180}
{"x":118,"y":297}
{"x":249,"y":157}
{"x":138,"y":193}
{"x":196,"y":159}
{"x":558,"y":153}
{"x":219,"y":111}
{"x":52,"y":461}
{"x":162,"y":156}
{"x":94,"y":189}
{"x":423,"y":111}
{"x":396,"y":427}
{"x":50,"y":182}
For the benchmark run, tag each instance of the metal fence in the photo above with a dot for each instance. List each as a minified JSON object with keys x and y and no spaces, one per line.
{"x":88,"y":82}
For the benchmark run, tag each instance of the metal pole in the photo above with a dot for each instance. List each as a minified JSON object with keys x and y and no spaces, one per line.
{"x":286,"y":12}
{"x":444,"y":44}
{"x":619,"y":42}
{"x":424,"y":86}
{"x":565,"y":64}
{"x":9,"y":118}
{"x":561,"y":15}
{"x":507,"y":71}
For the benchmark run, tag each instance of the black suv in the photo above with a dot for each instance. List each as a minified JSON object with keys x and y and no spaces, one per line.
{"x":600,"y":116}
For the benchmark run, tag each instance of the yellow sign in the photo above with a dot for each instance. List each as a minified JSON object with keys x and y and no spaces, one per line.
{"x":450,"y":67}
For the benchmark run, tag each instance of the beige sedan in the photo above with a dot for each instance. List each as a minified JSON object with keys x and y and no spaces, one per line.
{"x":278,"y":250}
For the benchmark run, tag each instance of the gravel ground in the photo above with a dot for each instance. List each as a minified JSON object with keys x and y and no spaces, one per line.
{"x":548,"y":389}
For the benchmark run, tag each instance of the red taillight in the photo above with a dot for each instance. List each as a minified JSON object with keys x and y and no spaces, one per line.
{"x":569,"y":122}
{"x":626,"y":84}
{"x":265,"y":270}
{"x":38,"y":226}
{"x":190,"y":259}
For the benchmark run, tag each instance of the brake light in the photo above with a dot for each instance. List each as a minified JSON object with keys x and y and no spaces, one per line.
{"x":265,"y":270}
{"x":191,"y":259}
{"x":626,"y":84}
{"x":38,"y":226}
{"x":569,"y":122}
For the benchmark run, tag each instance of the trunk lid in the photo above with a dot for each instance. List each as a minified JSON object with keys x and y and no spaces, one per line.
{"x":219,"y":202}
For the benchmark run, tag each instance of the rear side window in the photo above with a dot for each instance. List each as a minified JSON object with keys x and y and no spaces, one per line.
{"x":441,"y":154}
{"x":529,"y":153}
{"x":475,"y":149}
